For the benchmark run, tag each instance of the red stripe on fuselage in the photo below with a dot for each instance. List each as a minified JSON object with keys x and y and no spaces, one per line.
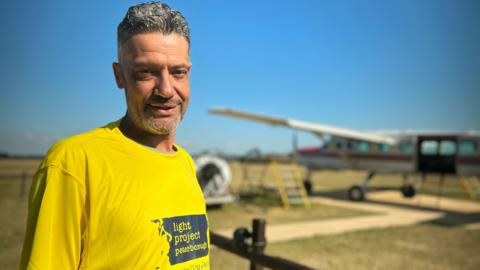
{"x":317,"y":152}
{"x":468,"y":160}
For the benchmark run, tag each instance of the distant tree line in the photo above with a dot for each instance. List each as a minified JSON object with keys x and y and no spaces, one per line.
{"x":5,"y":155}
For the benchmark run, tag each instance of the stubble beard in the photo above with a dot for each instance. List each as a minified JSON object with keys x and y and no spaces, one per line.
{"x":158,"y":126}
{"x":162,"y":126}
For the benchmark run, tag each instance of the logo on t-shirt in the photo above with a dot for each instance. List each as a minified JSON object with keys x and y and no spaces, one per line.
{"x":186,"y":235}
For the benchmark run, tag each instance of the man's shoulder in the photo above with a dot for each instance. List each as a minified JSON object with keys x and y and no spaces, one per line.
{"x":76,"y":146}
{"x":187,"y":156}
{"x":183,"y":152}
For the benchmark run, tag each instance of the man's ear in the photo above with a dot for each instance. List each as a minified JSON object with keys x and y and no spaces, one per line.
{"x":117,"y":72}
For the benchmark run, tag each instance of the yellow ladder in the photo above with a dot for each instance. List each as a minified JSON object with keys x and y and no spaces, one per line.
{"x":290,"y":184}
{"x":471,"y":185}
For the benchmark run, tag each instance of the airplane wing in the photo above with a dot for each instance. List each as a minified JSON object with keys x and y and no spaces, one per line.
{"x":318,"y":129}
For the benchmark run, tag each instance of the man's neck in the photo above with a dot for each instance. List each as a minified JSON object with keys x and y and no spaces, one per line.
{"x":163,"y":143}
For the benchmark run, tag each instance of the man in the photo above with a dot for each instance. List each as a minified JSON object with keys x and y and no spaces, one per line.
{"x":124,"y":196}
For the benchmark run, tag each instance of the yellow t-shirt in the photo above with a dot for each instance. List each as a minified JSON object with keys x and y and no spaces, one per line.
{"x":101,"y":201}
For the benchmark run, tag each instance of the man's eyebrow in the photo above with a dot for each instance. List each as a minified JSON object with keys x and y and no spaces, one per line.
{"x":143,"y":63}
{"x":182,"y":66}
{"x":140,"y":63}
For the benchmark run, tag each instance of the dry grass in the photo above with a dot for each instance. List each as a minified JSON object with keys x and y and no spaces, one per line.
{"x":413,"y":247}
{"x":241,"y":214}
{"x":18,"y":166}
{"x":13,"y":210}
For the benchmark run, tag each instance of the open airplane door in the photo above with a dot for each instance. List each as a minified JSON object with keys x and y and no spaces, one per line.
{"x":437,"y":154}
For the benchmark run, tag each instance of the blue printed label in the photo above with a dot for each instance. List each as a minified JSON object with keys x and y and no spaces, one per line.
{"x":187,"y":237}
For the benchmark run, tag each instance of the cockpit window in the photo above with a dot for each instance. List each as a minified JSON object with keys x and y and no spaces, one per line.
{"x":362,"y":147}
{"x":406,"y":147}
{"x":385,"y":148}
{"x":467,"y":147}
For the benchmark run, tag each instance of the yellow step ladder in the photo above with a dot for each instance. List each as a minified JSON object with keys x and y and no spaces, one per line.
{"x":289,"y":182}
{"x":472,"y":185}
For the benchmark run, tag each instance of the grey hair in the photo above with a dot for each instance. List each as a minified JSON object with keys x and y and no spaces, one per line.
{"x":152,"y":17}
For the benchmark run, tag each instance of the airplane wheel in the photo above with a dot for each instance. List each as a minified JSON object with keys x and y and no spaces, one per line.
{"x":356,"y":193}
{"x":308,"y":186}
{"x":408,"y":191}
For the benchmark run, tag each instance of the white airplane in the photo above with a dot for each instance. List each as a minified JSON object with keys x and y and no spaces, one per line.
{"x":405,"y":153}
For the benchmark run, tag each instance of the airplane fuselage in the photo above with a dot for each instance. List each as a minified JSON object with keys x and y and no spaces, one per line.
{"x":414,"y":154}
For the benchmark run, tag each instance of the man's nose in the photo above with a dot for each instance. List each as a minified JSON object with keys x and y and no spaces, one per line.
{"x":164,"y":86}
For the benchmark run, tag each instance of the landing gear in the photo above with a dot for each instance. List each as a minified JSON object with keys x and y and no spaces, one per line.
{"x":408,"y":191}
{"x":308,"y":185}
{"x":356,"y":194}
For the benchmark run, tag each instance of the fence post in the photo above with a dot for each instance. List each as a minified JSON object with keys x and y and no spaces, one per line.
{"x":258,"y":240}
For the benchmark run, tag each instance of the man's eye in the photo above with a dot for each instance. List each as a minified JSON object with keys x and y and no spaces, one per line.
{"x":145,"y":71}
{"x":180,"y":73}
{"x":143,"y":74}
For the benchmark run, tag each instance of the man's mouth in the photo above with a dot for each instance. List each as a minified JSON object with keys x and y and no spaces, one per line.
{"x":164,"y":110}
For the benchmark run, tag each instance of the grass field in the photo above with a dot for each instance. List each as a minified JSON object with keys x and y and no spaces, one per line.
{"x":241,"y":214}
{"x":13,"y":207}
{"x":413,"y":247}
{"x":425,"y":246}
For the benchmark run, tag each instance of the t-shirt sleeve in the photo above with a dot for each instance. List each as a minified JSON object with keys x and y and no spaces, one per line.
{"x":56,"y":221}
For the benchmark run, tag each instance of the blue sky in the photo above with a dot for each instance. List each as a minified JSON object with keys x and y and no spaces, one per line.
{"x":367,"y":65}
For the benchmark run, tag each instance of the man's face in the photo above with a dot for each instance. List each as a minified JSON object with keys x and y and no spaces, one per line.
{"x":154,"y":70}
